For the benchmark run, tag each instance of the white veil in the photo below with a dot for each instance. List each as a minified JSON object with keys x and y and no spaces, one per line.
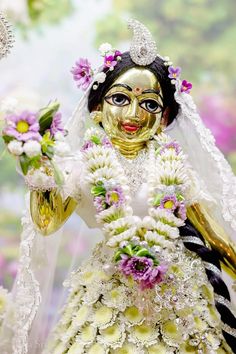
{"x":38,"y":255}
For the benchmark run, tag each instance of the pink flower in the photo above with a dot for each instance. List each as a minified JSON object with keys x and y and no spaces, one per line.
{"x":109,"y":61}
{"x":173,"y":145}
{"x":115,"y":197}
{"x":56,"y":125}
{"x":22,"y":127}
{"x":99,"y":203}
{"x":117,"y":54}
{"x":169,"y":202}
{"x":87,"y":145}
{"x":135,"y":266}
{"x":181,"y":211}
{"x":106,"y":142}
{"x":174,"y":73}
{"x":82,"y":73}
{"x":153,"y":276}
{"x":186,"y":86}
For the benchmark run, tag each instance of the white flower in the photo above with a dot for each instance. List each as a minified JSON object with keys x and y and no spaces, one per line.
{"x":112,"y":336}
{"x":103,"y":316}
{"x":38,"y":179}
{"x":124,"y":236}
{"x":32,"y":148}
{"x":15,"y":147}
{"x":61,"y":148}
{"x":59,"y":136}
{"x":105,"y":48}
{"x":144,"y":334}
{"x":100,"y":77}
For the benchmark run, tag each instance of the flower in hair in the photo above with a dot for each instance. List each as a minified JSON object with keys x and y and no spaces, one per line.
{"x":174,"y":73}
{"x":186,"y":86}
{"x":111,"y":58}
{"x":82,"y":73}
{"x":105,"y":48}
{"x":109,"y":61}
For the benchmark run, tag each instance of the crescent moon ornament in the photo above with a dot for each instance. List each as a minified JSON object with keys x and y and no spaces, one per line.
{"x":6,"y":37}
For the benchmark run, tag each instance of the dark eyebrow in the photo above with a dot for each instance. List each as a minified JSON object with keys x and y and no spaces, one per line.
{"x":122,"y":85}
{"x":152,"y":91}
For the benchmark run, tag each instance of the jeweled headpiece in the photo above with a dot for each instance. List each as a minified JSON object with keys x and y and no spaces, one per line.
{"x":6,"y":37}
{"x":143,"y":49}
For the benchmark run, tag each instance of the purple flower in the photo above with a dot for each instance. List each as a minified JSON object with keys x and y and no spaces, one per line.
{"x":135,"y":266}
{"x":117,"y":54}
{"x":106,"y":142}
{"x":110,"y":61}
{"x":82,"y":73}
{"x":88,"y":144}
{"x":174,"y":73}
{"x":173,"y":145}
{"x":169,"y":202}
{"x":22,"y":127}
{"x":181,"y":211}
{"x":153,"y":276}
{"x":99,"y":203}
{"x":115,"y":197}
{"x":56,"y":125}
{"x":186,"y":86}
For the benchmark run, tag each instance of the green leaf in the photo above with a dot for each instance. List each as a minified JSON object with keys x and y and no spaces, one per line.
{"x":46,"y":116}
{"x":7,"y":138}
{"x":180,"y":198}
{"x":117,"y":255}
{"x":35,"y":162}
{"x":25,"y":163}
{"x":98,"y":190}
{"x":96,"y":140}
{"x":128,"y":250}
{"x":49,"y":152}
{"x":142,"y":253}
{"x":58,"y":175}
{"x":157,"y":199}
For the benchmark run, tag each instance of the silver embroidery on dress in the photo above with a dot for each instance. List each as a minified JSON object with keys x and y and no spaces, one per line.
{"x":134,"y":170}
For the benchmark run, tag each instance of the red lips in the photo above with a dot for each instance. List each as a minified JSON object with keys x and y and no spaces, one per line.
{"x":130,"y":127}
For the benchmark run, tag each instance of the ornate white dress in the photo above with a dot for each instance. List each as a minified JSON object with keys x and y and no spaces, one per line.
{"x":107,"y":312}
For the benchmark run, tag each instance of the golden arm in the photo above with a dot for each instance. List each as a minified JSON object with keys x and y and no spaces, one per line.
{"x":48,"y":210}
{"x":214,"y":234}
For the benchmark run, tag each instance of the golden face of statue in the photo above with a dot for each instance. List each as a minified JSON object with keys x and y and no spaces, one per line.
{"x":132,"y":107}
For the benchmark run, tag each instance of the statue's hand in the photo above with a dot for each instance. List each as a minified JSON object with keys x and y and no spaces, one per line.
{"x":49,"y":210}
{"x":51,"y":206}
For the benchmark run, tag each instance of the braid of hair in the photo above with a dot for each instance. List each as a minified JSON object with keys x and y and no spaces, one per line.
{"x":194,"y":242}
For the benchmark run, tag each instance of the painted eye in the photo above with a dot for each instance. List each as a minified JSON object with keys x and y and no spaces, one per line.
{"x":151,"y":106}
{"x":118,"y":99}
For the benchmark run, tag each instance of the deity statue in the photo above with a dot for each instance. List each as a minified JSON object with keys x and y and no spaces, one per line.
{"x":147,"y":173}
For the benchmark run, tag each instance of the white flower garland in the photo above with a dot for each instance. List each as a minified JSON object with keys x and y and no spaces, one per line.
{"x":168,"y":186}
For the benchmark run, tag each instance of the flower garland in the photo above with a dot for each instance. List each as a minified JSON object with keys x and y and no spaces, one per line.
{"x":138,"y":242}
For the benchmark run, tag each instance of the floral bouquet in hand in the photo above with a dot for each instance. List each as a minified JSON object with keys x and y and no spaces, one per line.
{"x":34,"y":139}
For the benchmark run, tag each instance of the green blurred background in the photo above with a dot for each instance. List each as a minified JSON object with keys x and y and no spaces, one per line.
{"x":198,"y":35}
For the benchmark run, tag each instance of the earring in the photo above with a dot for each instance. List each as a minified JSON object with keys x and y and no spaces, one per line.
{"x":96,"y":116}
